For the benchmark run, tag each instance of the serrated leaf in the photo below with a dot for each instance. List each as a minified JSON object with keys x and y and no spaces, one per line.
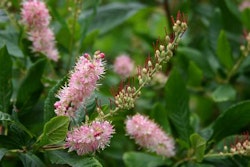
{"x":30,"y":160}
{"x":60,"y":157}
{"x":224,"y":93}
{"x":51,"y":99}
{"x":109,"y":16}
{"x":231,"y":121}
{"x":5,"y":79}
{"x":160,"y":115}
{"x":199,"y":145}
{"x":138,"y":159}
{"x":31,"y":87}
{"x":3,"y":151}
{"x":177,"y":106}
{"x":54,"y":131}
{"x":224,"y":52}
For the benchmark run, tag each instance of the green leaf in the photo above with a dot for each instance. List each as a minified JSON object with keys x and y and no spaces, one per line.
{"x":60,"y":157}
{"x":3,"y":151}
{"x":231,"y":121}
{"x":9,"y":37}
{"x":198,"y":58}
{"x":233,"y":8}
{"x":3,"y":16}
{"x":245,"y":18}
{"x":109,"y":16}
{"x":89,"y":40}
{"x":224,"y":51}
{"x":138,"y":159}
{"x":5,"y":117}
{"x":31,"y":87}
{"x":5,"y":79}
{"x":224,"y":93}
{"x":51,"y":99}
{"x":199,"y":145}
{"x":30,"y":160}
{"x":177,"y":106}
{"x":54,"y":131}
{"x":195,"y":74}
{"x":160,"y":115}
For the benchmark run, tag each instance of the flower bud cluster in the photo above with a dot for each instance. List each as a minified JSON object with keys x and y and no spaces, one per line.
{"x":125,"y":99}
{"x":245,"y":49}
{"x":242,"y":148}
{"x":145,"y":75}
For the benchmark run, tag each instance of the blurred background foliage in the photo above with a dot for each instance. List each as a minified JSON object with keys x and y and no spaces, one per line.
{"x":200,"y":68}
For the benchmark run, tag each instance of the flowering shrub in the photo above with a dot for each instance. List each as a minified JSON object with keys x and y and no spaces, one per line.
{"x":180,"y":99}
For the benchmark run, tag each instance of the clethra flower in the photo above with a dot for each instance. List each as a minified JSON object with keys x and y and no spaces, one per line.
{"x":244,"y":5}
{"x":82,"y":83}
{"x":44,"y":42}
{"x":36,"y":18}
{"x":149,"y":135}
{"x":123,"y":66}
{"x":35,"y":14}
{"x":89,"y":138}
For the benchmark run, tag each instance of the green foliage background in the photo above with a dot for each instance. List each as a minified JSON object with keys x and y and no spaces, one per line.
{"x":204,"y":103}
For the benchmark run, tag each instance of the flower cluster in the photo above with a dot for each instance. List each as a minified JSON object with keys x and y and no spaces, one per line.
{"x":149,"y":135}
{"x":242,"y":148}
{"x":89,"y":138}
{"x":82,"y":82}
{"x":163,"y":53}
{"x":123,"y":66}
{"x":125,"y":99}
{"x":35,"y":16}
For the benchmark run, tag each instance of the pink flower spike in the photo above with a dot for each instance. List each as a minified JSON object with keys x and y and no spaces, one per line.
{"x":35,"y":14}
{"x":90,"y":138}
{"x":123,"y":66}
{"x":82,"y":83}
{"x":149,"y":135}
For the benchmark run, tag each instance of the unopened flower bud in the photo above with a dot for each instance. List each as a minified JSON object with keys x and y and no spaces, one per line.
{"x":167,"y":38}
{"x":149,"y":63}
{"x":169,"y":46}
{"x":157,"y":53}
{"x":175,"y":28}
{"x":144,"y":70}
{"x":184,"y":26}
{"x":161,"y":47}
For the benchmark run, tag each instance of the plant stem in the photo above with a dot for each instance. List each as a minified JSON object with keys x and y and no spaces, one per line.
{"x":235,"y":68}
{"x":72,"y":39}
